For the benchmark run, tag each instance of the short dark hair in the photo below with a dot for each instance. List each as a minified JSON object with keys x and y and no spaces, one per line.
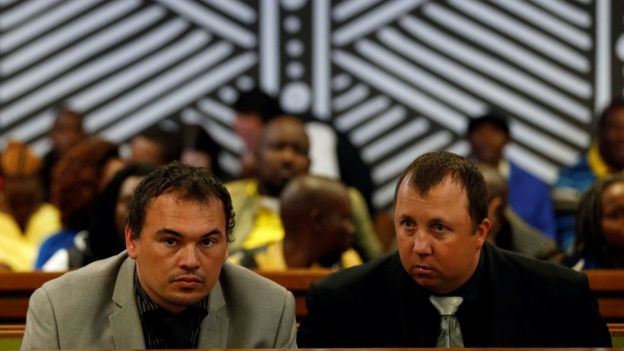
{"x":257,"y":101}
{"x":169,"y":140}
{"x":495,"y":119}
{"x":589,"y":236}
{"x":615,"y":104}
{"x":195,"y":184}
{"x":430,"y":169}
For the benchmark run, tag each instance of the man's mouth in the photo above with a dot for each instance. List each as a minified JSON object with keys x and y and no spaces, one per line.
{"x":422,"y":269}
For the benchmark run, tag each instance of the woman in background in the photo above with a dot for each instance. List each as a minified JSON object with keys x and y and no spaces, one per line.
{"x":600,"y":226}
{"x":80,"y":175}
{"x":105,"y":237}
{"x":25,"y":219}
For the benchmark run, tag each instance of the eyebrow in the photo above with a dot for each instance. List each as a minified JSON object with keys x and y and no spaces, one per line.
{"x":168,"y":231}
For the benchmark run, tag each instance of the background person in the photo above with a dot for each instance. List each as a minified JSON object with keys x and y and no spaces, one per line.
{"x":283,"y":154}
{"x":600,"y":226}
{"x":25,"y":219}
{"x":78,"y":178}
{"x":105,"y":235}
{"x":316,"y":215}
{"x":66,"y":132}
{"x":604,"y":157}
{"x":508,"y":231}
{"x":527,"y":195}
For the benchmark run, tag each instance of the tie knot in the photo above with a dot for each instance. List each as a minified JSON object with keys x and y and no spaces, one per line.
{"x":446,"y":305}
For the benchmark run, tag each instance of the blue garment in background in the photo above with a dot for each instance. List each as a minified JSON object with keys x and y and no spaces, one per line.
{"x":578,"y":177}
{"x":529,"y":197}
{"x":63,"y":239}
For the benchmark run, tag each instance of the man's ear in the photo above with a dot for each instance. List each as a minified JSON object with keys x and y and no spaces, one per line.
{"x":482,"y":232}
{"x":130,"y":243}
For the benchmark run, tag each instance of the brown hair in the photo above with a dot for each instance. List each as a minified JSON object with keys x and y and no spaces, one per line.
{"x":76,"y":179}
{"x":430,"y":169}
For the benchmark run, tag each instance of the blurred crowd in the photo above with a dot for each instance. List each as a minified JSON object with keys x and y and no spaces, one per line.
{"x":300,"y":200}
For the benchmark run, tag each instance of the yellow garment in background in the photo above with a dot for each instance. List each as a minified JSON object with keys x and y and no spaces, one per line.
{"x":272,"y":258}
{"x":267,"y":229}
{"x":18,"y":250}
{"x":596,"y":163}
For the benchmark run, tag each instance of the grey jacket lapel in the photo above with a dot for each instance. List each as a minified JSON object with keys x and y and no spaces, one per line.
{"x":125,"y":322}
{"x":214,"y":328}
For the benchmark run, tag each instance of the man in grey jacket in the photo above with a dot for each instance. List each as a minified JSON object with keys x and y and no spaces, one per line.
{"x":171,"y":287}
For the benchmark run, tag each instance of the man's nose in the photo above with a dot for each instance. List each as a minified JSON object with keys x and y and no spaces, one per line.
{"x":189,"y":259}
{"x":421,"y":244}
{"x":288,"y":154}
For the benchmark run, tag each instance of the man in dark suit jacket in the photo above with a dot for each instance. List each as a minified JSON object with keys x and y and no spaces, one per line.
{"x":441,"y":226}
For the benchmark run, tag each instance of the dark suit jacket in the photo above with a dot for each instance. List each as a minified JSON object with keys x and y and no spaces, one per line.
{"x":525,"y":303}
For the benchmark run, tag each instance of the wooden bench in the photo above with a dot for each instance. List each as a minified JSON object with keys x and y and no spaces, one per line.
{"x":16,"y":288}
{"x":297,"y":281}
{"x":608,"y":287}
{"x":11,"y":331}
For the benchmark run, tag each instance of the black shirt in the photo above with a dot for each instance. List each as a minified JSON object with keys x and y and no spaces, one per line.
{"x":165,"y":330}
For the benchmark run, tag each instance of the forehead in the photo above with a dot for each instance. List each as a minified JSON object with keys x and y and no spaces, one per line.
{"x":448,"y":194}
{"x":615,"y":117}
{"x":488,"y":126}
{"x":173,"y":208}
{"x":614,"y":191}
{"x":68,"y":119}
{"x":286,"y":129}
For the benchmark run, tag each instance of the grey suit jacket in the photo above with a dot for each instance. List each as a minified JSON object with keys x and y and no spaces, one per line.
{"x":95,"y":308}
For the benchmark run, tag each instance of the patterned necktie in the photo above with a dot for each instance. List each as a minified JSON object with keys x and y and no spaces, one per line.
{"x":450,"y":332}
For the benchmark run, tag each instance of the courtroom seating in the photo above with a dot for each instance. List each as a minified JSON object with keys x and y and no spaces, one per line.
{"x":11,"y":336}
{"x":297,"y":281}
{"x":16,"y":288}
{"x":608,"y":287}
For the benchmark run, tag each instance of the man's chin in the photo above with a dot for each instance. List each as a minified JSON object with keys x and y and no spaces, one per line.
{"x":186,"y":298}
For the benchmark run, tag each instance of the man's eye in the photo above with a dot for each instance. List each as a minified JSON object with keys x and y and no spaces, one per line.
{"x":169,"y":241}
{"x":407,"y":223}
{"x":438,"y":227}
{"x":207,"y":242}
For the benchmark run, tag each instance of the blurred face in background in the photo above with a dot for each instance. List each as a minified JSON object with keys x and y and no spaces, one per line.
{"x":487,"y":143}
{"x":67,"y":131}
{"x":611,"y":139}
{"x":613,"y":214}
{"x":145,"y":150}
{"x":248,"y":126}
{"x":124,"y":198}
{"x":282,"y":154}
{"x":196,"y":158}
{"x":23,"y":197}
